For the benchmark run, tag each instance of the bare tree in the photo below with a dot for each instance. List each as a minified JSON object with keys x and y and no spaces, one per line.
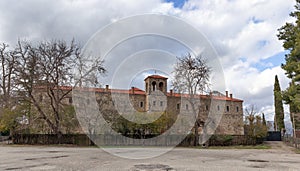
{"x":192,"y":77}
{"x":88,"y":70}
{"x":7,"y":64}
{"x":45,"y":75}
{"x":9,"y":108}
{"x":254,"y":126}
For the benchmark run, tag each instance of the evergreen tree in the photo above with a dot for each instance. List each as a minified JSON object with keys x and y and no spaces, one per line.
{"x":291,"y":97}
{"x":264,"y":120}
{"x":279,"y":114}
{"x":290,"y":35}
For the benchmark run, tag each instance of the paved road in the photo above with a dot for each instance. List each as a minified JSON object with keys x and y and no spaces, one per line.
{"x":280,"y":157}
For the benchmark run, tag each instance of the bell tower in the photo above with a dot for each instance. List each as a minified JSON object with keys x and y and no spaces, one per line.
{"x":154,"y":83}
{"x":156,"y":93}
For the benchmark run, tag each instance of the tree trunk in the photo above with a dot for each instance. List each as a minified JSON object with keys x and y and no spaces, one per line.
{"x":59,"y":136}
{"x":196,"y":140}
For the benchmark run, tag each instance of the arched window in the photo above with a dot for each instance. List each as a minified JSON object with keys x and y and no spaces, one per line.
{"x":153,"y":85}
{"x":160,"y":86}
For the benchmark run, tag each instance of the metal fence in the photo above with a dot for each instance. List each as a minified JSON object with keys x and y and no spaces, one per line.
{"x":113,"y":140}
{"x":292,"y":141}
{"x":4,"y":138}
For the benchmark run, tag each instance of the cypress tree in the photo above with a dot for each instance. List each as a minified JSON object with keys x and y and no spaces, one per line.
{"x":279,"y":114}
{"x":264,"y":120}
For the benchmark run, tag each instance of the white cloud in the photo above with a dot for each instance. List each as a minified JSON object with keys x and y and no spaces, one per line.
{"x":231,"y":23}
{"x":238,"y":29}
{"x":36,"y":20}
{"x":253,"y":86}
{"x":244,"y":29}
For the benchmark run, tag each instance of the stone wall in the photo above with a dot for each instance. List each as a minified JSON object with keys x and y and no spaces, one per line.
{"x":220,"y":116}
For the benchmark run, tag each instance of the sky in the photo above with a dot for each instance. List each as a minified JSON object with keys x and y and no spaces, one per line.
{"x":243,"y":33}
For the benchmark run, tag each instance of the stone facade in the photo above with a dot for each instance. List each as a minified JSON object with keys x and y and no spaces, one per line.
{"x":221,"y":114}
{"x":223,"y":111}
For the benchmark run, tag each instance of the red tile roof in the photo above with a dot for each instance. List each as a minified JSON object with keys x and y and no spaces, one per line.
{"x":206,"y":97}
{"x":135,"y":90}
{"x":156,"y":76}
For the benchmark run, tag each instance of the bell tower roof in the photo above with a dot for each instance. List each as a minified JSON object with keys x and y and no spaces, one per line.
{"x":155,"y":82}
{"x":156,"y":77}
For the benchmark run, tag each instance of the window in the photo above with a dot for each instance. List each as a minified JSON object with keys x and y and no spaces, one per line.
{"x":141,"y":104}
{"x":161,"y":103}
{"x":218,"y":107}
{"x":237,"y":109}
{"x":154,"y":103}
{"x":70,"y":100}
{"x":178,"y":106}
{"x":186,"y":107}
{"x":227,"y":108}
{"x":206,"y":107}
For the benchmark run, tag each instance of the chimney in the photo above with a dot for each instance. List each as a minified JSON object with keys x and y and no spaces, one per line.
{"x":132,"y":90}
{"x":171,"y":92}
{"x":231,"y":96}
{"x":106,"y":87}
{"x":226,"y":93}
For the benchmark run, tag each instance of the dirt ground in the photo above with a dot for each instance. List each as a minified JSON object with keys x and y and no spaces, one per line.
{"x":279,"y":157}
{"x":279,"y":146}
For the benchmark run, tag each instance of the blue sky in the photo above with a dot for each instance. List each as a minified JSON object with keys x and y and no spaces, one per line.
{"x":275,"y":60}
{"x":177,"y":3}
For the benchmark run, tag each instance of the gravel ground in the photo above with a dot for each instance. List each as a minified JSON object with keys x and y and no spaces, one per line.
{"x":279,"y":157}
